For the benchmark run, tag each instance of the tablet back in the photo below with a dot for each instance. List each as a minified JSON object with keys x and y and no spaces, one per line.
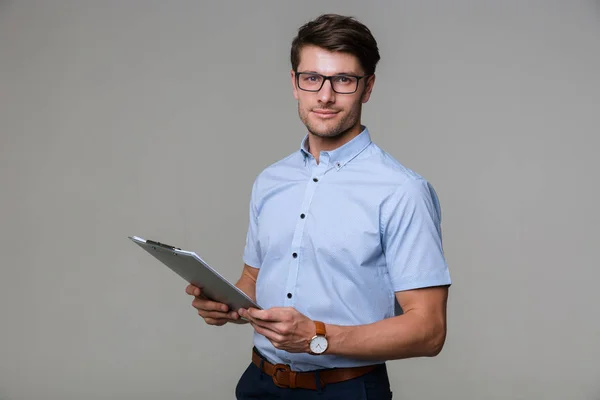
{"x":194,"y":270}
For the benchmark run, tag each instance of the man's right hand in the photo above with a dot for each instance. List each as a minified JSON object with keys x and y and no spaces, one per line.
{"x":214,"y":313}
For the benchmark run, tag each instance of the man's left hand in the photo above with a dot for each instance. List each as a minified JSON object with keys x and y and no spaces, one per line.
{"x":285,"y":327}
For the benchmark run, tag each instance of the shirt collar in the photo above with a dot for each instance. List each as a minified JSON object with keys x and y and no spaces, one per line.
{"x":343,"y":154}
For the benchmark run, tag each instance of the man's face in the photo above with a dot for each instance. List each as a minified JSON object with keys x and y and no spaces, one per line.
{"x":326,"y":113}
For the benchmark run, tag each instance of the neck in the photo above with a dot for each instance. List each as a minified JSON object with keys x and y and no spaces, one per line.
{"x":316,"y":144}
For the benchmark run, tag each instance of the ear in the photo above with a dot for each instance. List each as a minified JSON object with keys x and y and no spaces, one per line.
{"x":294,"y":88}
{"x":370,"y":82}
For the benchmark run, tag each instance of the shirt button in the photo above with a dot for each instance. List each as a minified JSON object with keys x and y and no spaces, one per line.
{"x":315,"y":180}
{"x":302,"y":216}
{"x":295,"y":255}
{"x":289,"y":295}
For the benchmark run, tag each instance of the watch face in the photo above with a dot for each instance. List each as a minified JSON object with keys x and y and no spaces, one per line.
{"x":318,"y":344}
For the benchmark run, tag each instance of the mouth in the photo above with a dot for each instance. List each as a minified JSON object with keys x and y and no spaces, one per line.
{"x":325,"y":113}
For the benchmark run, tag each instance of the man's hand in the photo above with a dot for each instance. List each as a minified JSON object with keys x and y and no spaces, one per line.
{"x":214,"y":313}
{"x":285,"y":327}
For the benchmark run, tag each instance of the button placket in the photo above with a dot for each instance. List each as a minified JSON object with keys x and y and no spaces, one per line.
{"x":296,"y":249}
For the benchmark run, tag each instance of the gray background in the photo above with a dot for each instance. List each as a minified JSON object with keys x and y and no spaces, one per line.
{"x":153,"y":118}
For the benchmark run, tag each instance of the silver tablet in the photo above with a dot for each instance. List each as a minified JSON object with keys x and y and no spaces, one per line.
{"x":194,"y":270}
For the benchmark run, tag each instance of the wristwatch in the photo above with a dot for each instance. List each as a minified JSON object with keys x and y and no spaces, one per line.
{"x":318,"y":343}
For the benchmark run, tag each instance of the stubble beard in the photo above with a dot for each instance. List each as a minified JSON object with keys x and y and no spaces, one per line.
{"x":329,"y":130}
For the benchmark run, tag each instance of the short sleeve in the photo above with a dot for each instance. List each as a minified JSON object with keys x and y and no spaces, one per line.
{"x":412,"y":237}
{"x":252,"y":253}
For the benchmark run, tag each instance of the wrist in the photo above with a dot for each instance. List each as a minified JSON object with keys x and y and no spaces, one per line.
{"x":335,"y":338}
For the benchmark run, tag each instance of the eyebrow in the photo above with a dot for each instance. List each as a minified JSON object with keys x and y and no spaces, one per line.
{"x":337,"y":73}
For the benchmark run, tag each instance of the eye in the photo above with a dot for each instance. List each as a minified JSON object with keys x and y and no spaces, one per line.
{"x":344,"y":80}
{"x":309,"y":77}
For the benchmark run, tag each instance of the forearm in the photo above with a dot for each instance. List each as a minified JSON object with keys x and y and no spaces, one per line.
{"x":247,"y":282}
{"x":403,"y":336}
{"x":247,"y":287}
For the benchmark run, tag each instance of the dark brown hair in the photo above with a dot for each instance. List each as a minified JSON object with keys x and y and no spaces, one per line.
{"x":335,"y":32}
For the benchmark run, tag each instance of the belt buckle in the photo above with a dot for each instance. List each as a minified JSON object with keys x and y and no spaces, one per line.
{"x":282,"y":368}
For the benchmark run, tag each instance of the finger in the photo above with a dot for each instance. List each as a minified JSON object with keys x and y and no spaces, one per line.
{"x":244,"y":313}
{"x":209,"y":305}
{"x":264,"y":325}
{"x":221,"y":319}
{"x":281,"y":327}
{"x":274,"y":314}
{"x":232,"y":315}
{"x":274,"y":337}
{"x":236,"y":318}
{"x":215,"y":321}
{"x":193,"y":290}
{"x":265,"y":315}
{"x":212,"y":314}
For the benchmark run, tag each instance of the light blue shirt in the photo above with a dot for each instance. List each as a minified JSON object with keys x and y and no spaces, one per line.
{"x":336,"y":240}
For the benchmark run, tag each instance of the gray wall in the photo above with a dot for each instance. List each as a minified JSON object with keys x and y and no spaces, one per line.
{"x":153,"y":118}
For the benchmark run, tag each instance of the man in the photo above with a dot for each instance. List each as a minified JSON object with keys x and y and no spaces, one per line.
{"x":338,"y":230}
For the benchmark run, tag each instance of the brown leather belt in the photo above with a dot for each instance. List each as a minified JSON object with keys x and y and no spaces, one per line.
{"x":284,"y":377}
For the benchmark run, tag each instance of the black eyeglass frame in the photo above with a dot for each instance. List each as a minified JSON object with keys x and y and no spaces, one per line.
{"x":328,"y":78}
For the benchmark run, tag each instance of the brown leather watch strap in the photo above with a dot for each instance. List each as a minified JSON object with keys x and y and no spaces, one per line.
{"x":320,"y":327}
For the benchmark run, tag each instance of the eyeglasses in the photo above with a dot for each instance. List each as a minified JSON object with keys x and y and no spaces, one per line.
{"x":313,"y":82}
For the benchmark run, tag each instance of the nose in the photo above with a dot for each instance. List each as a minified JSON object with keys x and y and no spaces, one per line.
{"x":326,"y":94}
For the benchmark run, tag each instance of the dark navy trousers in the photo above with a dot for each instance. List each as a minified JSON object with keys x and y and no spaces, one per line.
{"x":255,"y":384}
